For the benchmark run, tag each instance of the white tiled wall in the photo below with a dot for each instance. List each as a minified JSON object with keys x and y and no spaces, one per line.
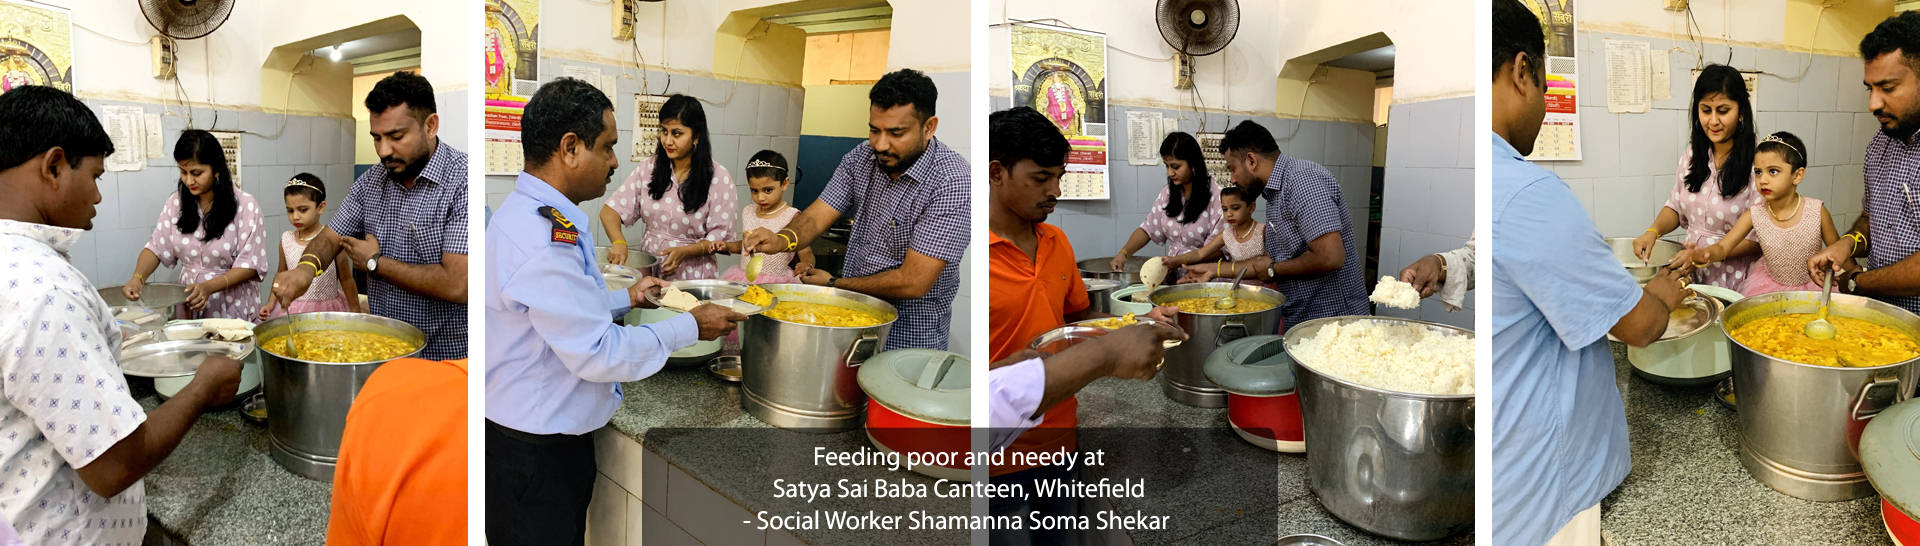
{"x":1631,"y":161}
{"x":1428,"y":199}
{"x":274,"y":148}
{"x":744,"y":118}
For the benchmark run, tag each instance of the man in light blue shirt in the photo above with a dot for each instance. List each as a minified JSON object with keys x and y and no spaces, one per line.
{"x":1560,"y":428}
{"x":555,"y":360}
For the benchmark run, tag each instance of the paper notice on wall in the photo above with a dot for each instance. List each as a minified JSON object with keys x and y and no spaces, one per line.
{"x":1144,"y":132}
{"x":123,"y":125}
{"x":1659,"y":75}
{"x":1627,"y":77}
{"x":155,"y":146}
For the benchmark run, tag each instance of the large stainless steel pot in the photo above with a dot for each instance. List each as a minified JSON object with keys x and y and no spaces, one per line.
{"x":1395,"y":464}
{"x":1185,"y":374}
{"x":308,"y":401}
{"x":1800,"y":424}
{"x":1098,"y":292}
{"x":803,"y":376}
{"x":1102,"y":268}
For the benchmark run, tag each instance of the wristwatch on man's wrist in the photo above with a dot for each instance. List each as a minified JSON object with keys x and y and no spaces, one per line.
{"x":373,"y":263}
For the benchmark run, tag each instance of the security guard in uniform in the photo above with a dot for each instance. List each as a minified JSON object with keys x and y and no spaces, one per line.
{"x":555,"y":360}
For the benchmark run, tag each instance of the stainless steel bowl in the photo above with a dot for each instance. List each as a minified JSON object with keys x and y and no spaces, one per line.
{"x":1392,"y":463}
{"x":639,"y":260}
{"x":1099,"y":291}
{"x":1643,"y":270}
{"x":307,"y":400}
{"x":169,"y":299}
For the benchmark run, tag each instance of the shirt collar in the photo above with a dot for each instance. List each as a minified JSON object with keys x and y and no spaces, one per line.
{"x":544,"y":193}
{"x":1276,"y":178}
{"x":923,"y":169}
{"x":1502,"y":148}
{"x":61,"y":239}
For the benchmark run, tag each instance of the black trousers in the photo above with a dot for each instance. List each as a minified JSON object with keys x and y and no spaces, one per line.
{"x":538,"y":487}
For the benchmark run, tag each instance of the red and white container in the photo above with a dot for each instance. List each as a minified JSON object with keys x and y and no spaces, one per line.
{"x":1890,"y":456}
{"x":1262,"y":405}
{"x":918,"y":402}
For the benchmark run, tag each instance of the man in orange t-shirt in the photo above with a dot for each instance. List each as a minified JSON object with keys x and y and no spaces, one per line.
{"x":1035,"y":285}
{"x":402,"y":473}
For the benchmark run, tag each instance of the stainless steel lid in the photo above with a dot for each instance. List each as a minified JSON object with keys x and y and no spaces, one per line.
{"x":924,"y":384}
{"x":636,"y":258}
{"x":1890,"y":455}
{"x":153,"y":294}
{"x":1643,"y":270}
{"x":619,"y":277}
{"x":177,"y":358}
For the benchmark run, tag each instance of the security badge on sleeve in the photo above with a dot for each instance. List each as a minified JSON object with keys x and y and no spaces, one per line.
{"x":564,"y":231}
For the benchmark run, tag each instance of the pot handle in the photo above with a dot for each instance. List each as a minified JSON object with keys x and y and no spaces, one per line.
{"x":855,"y":356}
{"x":1220,"y":336}
{"x":1862,"y":398}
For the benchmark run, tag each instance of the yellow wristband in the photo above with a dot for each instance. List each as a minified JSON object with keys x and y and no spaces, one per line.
{"x":619,"y":242}
{"x":1653,"y":230}
{"x":792,"y":243}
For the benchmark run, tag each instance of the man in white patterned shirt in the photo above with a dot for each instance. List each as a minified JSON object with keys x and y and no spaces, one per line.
{"x":73,"y":442}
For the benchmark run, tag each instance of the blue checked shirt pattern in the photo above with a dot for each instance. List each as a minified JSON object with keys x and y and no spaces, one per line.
{"x":926,"y":210}
{"x":415,"y":226}
{"x":1303,"y":203}
{"x":67,"y":401}
{"x":1892,"y":205}
{"x":555,"y":359}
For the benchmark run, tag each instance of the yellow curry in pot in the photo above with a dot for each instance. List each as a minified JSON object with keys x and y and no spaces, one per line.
{"x":1204,"y":305}
{"x":340,"y":346}
{"x":1857,"y":344}
{"x":820,"y":314}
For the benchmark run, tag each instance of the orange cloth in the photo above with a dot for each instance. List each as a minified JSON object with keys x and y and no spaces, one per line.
{"x":1027,"y":297}
{"x":402,"y":473}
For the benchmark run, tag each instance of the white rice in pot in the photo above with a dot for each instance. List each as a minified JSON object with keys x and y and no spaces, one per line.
{"x":1391,"y":356}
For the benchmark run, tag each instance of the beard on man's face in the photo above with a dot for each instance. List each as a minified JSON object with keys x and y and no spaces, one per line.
{"x":899,"y":164}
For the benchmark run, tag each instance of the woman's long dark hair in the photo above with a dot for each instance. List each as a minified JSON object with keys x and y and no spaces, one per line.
{"x":693,"y":190}
{"x":1738,"y":170}
{"x":1183,"y":147}
{"x":202,"y":147}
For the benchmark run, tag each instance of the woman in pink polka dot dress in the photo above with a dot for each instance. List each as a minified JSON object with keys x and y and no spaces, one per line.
{"x":1183,"y":221}
{"x":212,"y":230}
{"x":685,"y":197}
{"x":1703,"y":201}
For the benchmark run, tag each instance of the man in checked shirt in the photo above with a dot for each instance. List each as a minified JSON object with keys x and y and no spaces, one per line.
{"x":1887,"y":233}
{"x":404,"y":222}
{"x":907,"y":192}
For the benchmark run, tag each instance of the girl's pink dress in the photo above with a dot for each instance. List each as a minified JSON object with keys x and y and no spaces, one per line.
{"x":324,"y":295}
{"x":241,"y":246}
{"x":1708,"y":217}
{"x":775,"y":268}
{"x":670,"y":225}
{"x":1785,"y":250}
{"x":1254,"y":245}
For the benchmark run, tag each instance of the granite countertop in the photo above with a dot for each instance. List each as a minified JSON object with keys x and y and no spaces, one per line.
{"x":220,"y":487}
{"x":1113,"y":403}
{"x":694,"y":421}
{"x":1688,"y":487}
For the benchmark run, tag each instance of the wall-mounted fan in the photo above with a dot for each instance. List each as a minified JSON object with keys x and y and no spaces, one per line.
{"x":1196,"y":28}
{"x":186,"y":19}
